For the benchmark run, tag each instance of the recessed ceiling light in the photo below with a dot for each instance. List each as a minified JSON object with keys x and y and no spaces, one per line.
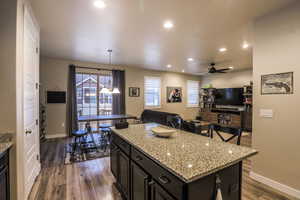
{"x":169,"y":66}
{"x":100,"y":4}
{"x":222,"y":49}
{"x":168,"y":25}
{"x":231,"y":67}
{"x":190,"y":59}
{"x":245,"y":46}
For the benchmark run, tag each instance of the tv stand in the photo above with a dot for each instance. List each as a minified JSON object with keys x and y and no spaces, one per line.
{"x":226,"y":110}
{"x":226,"y":115}
{"x":228,"y":107}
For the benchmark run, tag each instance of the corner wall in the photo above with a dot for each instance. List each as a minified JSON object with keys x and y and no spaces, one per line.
{"x":276,"y":50}
{"x":54,"y":76}
{"x":8,"y":40}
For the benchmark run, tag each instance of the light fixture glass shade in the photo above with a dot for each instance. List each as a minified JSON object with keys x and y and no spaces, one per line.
{"x":104,"y":90}
{"x":116,"y":91}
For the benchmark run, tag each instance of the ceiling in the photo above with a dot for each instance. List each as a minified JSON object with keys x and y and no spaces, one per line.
{"x":133,"y":29}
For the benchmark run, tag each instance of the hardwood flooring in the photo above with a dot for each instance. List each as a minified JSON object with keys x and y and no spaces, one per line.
{"x":92,"y":180}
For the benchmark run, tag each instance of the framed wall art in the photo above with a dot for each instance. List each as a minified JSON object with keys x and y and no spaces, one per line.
{"x":281,"y":83}
{"x":134,"y":92}
{"x":174,"y":94}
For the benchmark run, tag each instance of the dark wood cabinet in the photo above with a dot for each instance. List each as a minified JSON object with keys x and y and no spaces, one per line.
{"x":158,"y":193}
{"x":139,"y":183}
{"x":124,"y":173}
{"x":120,"y":168}
{"x":4,"y":177}
{"x":114,"y":151}
{"x":138,"y":177}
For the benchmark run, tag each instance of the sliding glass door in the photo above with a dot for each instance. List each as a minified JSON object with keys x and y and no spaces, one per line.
{"x":89,"y":99}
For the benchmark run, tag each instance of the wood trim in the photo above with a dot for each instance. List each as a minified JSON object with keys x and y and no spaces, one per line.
{"x":276,"y":185}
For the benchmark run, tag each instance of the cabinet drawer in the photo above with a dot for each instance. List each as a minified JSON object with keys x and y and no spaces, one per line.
{"x":124,"y":146}
{"x":3,"y":160}
{"x":167,"y":180}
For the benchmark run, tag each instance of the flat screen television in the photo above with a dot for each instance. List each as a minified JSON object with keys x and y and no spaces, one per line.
{"x":229,"y":96}
{"x":56,"y":97}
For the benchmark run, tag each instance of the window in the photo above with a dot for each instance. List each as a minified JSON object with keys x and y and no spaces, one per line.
{"x":192,"y":93}
{"x":152,"y":91}
{"x":90,"y":95}
{"x":89,"y":99}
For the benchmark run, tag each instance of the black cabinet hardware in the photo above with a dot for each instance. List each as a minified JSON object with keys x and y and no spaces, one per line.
{"x":164,"y":179}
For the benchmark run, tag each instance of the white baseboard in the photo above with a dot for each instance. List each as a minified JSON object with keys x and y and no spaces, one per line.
{"x":52,"y":136}
{"x":276,"y":185}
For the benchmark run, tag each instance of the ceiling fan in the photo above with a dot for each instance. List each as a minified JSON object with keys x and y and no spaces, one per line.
{"x":213,"y":70}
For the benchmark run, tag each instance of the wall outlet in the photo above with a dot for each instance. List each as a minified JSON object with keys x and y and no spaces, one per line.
{"x":266,"y":113}
{"x":63,"y":124}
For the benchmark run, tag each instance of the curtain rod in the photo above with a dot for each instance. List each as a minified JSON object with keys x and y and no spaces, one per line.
{"x":95,"y":68}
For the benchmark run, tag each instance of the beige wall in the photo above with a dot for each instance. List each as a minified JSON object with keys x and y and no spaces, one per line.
{"x":8,"y":38}
{"x":228,"y":80}
{"x":8,"y":59}
{"x":276,"y":49}
{"x":54,"y":74}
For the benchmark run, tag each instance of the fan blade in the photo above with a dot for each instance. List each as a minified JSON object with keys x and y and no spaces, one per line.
{"x":201,"y":73}
{"x":222,"y":70}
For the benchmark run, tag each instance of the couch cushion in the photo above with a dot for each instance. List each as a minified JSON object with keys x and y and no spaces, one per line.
{"x":156,"y":116}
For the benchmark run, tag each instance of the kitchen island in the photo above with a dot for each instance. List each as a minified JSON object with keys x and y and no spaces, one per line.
{"x":5,"y":144}
{"x":184,"y":167}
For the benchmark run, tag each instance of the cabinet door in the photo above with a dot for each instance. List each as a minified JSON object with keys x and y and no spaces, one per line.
{"x":139,"y":183}
{"x":158,"y":193}
{"x":114,"y":160}
{"x":4,"y":184}
{"x":124,"y":173}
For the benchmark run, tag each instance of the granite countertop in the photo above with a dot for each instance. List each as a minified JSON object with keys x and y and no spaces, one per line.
{"x":5,"y":142}
{"x":187,"y":155}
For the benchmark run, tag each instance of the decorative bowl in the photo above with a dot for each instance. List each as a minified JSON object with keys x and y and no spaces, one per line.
{"x":161,"y":131}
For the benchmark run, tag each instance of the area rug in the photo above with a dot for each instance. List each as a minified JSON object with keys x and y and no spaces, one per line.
{"x":90,"y":151}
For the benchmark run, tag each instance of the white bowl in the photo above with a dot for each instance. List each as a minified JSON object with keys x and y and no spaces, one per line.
{"x":163,"y":131}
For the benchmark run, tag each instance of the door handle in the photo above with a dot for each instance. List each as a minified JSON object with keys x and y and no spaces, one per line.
{"x":163,"y":179}
{"x":138,"y":158}
{"x":28,"y":132}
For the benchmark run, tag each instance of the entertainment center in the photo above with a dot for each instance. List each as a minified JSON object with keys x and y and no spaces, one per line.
{"x":230,"y":107}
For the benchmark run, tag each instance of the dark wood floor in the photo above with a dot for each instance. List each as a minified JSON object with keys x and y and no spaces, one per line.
{"x":92,"y":180}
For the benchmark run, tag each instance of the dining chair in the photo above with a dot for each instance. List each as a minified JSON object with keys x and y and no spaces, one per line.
{"x":218,"y":129}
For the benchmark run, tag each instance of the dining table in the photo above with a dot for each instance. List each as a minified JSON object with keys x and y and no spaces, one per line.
{"x":122,"y":117}
{"x":93,"y":145}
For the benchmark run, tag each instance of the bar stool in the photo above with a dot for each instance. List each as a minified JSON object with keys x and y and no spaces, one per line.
{"x":105,"y":125}
{"x":91,"y":132}
{"x":78,"y":140}
{"x":105,"y":135}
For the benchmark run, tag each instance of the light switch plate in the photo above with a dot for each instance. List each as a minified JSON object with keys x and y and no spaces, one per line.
{"x":267,"y":113}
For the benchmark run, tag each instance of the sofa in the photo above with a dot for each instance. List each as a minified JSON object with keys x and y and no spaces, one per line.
{"x":164,"y":118}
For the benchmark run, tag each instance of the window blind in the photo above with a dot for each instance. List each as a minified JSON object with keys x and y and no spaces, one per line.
{"x":152,"y":91}
{"x":192,"y":93}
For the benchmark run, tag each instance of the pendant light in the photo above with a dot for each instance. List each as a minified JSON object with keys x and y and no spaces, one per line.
{"x":115,"y":90}
{"x":105,"y":90}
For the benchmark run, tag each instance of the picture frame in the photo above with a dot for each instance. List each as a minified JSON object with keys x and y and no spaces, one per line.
{"x":134,"y":91}
{"x":174,"y":95}
{"x":280,"y":83}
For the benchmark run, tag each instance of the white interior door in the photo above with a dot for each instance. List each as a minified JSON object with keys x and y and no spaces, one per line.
{"x":31,"y":109}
